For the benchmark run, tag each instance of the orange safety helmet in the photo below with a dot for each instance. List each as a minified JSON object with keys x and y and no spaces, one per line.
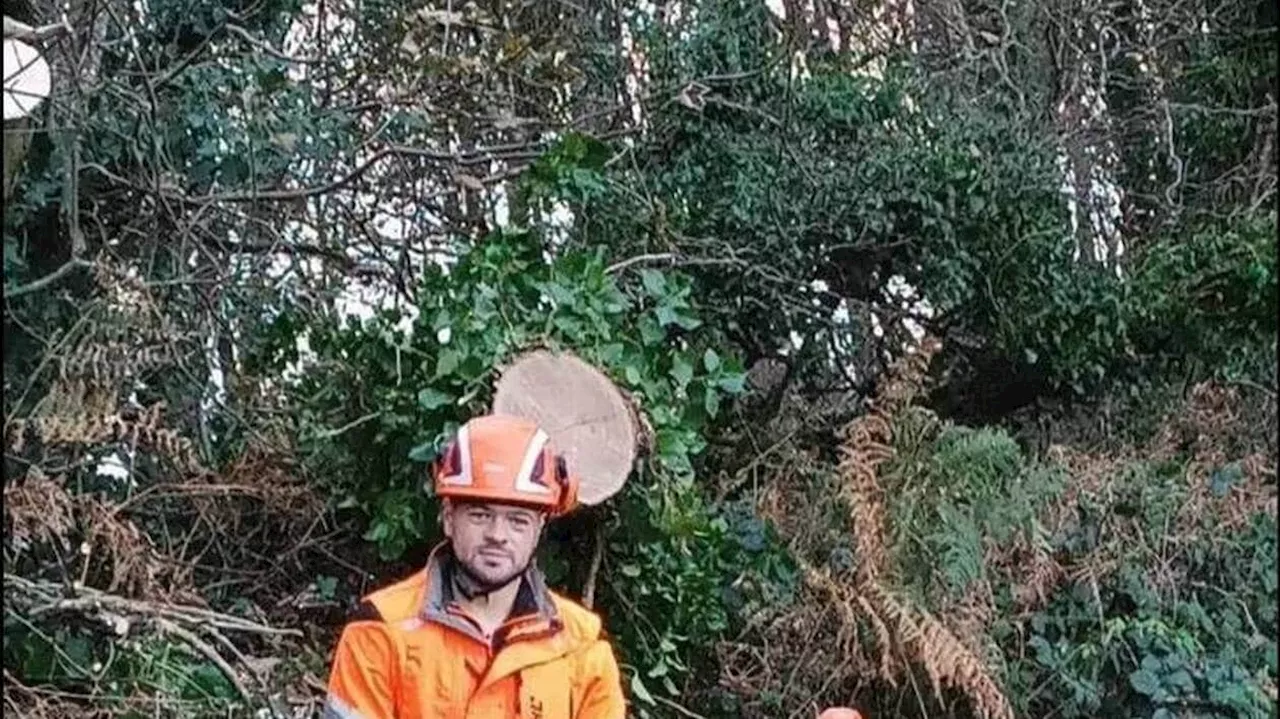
{"x":507,"y":460}
{"x":840,"y":713}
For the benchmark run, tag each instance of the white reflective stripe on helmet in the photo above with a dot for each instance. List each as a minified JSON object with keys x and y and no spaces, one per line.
{"x":524,"y":479}
{"x":464,"y":477}
{"x":335,"y":708}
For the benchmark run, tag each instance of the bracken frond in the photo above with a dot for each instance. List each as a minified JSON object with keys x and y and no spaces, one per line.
{"x":137,"y":428}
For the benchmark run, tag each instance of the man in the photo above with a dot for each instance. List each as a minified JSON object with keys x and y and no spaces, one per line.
{"x":476,"y":634}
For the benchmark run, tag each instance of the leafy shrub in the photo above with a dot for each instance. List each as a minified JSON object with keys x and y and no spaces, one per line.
{"x":1130,"y":647}
{"x":401,"y":391}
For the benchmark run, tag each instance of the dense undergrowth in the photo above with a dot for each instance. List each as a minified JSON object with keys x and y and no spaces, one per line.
{"x":1061,"y":502}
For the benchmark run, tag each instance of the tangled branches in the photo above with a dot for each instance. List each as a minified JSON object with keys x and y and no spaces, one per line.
{"x":878,"y":634}
{"x":194,"y":626}
{"x":898,"y":629}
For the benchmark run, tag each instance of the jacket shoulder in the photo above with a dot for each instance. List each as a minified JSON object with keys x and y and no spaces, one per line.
{"x":400,"y":601}
{"x":582,"y":624}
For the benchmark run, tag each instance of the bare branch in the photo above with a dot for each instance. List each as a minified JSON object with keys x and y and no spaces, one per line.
{"x":48,"y":279}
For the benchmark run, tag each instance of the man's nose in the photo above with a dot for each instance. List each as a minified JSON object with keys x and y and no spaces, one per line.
{"x":495,"y":532}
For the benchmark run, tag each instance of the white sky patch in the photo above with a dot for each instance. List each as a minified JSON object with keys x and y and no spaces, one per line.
{"x":110,"y":465}
{"x":913,"y":301}
{"x":501,"y":206}
{"x":841,"y":313}
{"x":216,"y":392}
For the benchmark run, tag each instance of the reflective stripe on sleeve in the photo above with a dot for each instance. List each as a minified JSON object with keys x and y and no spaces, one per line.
{"x":335,"y":708}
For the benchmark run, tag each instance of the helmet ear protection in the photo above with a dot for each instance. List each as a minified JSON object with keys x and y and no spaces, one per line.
{"x":568,"y":483}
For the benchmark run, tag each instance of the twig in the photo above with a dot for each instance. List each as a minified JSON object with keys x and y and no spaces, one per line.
{"x":331,"y":433}
{"x":21,"y":31}
{"x":638,"y":259}
{"x":597,"y":556}
{"x":1264,"y":111}
{"x":679,"y":708}
{"x":93,"y":600}
{"x":48,"y":279}
{"x":263,"y":46}
{"x":673,"y":259}
{"x":209,"y":652}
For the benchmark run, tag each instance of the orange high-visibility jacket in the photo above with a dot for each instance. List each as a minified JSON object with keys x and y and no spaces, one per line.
{"x":411,"y":653}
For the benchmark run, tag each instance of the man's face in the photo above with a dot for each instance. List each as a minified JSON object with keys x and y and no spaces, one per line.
{"x":493,"y":541}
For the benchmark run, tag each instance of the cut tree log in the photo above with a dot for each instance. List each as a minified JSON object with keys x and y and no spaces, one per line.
{"x":587,"y":417}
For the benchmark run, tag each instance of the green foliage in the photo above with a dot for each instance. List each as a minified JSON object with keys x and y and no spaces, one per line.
{"x":674,"y":555}
{"x":77,"y":658}
{"x":954,"y":495}
{"x":779,"y":198}
{"x":687,"y":573}
{"x":1181,"y":621}
{"x":499,"y":299}
{"x":570,"y":172}
{"x":1209,"y":296}
{"x":1136,"y":648}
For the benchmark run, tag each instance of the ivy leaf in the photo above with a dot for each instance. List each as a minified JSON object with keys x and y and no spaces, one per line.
{"x":1182,"y":680}
{"x":711,"y":402}
{"x":687,"y":321}
{"x":681,"y":370}
{"x":433,"y":399}
{"x":442,"y":320}
{"x":632,"y":374}
{"x":666,"y":315}
{"x":733,"y":383}
{"x":711,"y":360}
{"x":1145,"y":682}
{"x":447,"y":363}
{"x":639,"y":691}
{"x":654,"y":283}
{"x":651,"y":332}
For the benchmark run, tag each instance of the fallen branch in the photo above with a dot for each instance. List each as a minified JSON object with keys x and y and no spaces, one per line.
{"x":48,"y":279}
{"x":672,"y":259}
{"x":46,"y":598}
{"x":207,"y":651}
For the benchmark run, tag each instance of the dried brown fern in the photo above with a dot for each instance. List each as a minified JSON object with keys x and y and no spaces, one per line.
{"x":38,"y":510}
{"x":925,"y":641}
{"x":121,"y":550}
{"x":142,"y":429}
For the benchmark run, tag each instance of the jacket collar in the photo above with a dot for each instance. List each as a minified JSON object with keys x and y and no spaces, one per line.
{"x":533,"y":615}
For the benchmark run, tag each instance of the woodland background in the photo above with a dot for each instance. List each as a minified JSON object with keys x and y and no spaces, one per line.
{"x":955,"y":322}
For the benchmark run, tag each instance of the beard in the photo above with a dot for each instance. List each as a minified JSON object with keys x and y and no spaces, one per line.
{"x":489,"y":569}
